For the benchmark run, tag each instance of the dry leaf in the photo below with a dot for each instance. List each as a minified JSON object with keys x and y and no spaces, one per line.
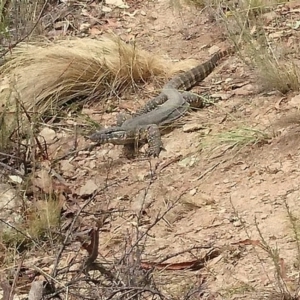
{"x":193,"y":265}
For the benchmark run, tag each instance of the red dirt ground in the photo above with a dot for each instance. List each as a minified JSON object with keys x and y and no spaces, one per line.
{"x":223,"y":196}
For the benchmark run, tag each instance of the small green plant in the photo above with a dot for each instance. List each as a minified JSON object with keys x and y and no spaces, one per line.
{"x":239,"y":288}
{"x":38,"y":224}
{"x":43,"y":219}
{"x":3,"y":19}
{"x":236,"y":138}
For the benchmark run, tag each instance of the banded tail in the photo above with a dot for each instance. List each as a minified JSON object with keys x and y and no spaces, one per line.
{"x":185,"y":81}
{"x":188,"y":79}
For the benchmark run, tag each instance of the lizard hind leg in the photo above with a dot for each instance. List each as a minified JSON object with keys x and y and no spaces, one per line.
{"x":193,"y":99}
{"x":151,"y":134}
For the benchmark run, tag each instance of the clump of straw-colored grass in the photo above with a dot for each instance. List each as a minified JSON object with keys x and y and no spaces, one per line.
{"x":40,"y":77}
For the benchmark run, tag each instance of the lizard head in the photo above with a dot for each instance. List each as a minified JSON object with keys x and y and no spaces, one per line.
{"x":114,"y":135}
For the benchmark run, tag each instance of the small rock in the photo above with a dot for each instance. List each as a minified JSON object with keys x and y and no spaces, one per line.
{"x":193,"y":192}
{"x":48,"y":135}
{"x":228,"y":80}
{"x":237,"y":223}
{"x":59,"y":24}
{"x":93,"y":164}
{"x":188,"y":161}
{"x":66,"y":167}
{"x":143,"y":13}
{"x":295,"y":101}
{"x":214,"y":49}
{"x":88,"y":189}
{"x":277,"y":35}
{"x":106,"y":9}
{"x":118,"y":3}
{"x":37,"y":290}
{"x":153,"y":16}
{"x":15,"y":179}
{"x":192,"y":127}
{"x":84,"y":27}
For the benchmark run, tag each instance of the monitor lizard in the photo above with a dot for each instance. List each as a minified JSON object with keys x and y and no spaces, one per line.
{"x":145,"y":125}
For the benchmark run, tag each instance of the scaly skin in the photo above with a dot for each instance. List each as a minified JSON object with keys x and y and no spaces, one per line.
{"x":145,"y":128}
{"x":162,"y":110}
{"x":131,"y":137}
{"x":185,"y":81}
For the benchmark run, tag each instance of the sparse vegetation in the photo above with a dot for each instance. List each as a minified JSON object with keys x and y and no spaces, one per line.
{"x":277,"y":70}
{"x":274,"y":65}
{"x":37,"y":221}
{"x":236,"y":138}
{"x":89,"y":240}
{"x":245,"y":23}
{"x":240,"y":289}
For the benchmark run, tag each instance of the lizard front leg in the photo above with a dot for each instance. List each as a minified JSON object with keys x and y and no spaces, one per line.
{"x":145,"y":134}
{"x":151,"y":134}
{"x":121,"y":118}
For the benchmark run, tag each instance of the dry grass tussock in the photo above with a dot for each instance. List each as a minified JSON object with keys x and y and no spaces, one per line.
{"x":273,"y":62}
{"x":236,"y":138}
{"x":41,"y":77}
{"x":248,"y":24}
